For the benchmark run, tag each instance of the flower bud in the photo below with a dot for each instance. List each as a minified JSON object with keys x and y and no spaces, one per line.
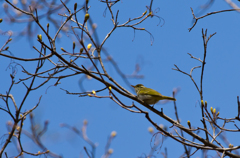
{"x":63,"y":49}
{"x":39,"y":37}
{"x":89,"y":46}
{"x":205,"y":103}
{"x":94,"y":26}
{"x":74,"y":44}
{"x":81,"y":50}
{"x":15,"y":2}
{"x":86,"y":17}
{"x":88,"y":77}
{"x":5,"y":5}
{"x":150,"y":129}
{"x":85,"y":122}
{"x":189,"y":124}
{"x":214,"y":111}
{"x":161,"y":126}
{"x":110,"y":151}
{"x":144,"y":13}
{"x":24,"y":1}
{"x":230,"y":145}
{"x":113,"y":134}
{"x":75,"y":6}
{"x":9,"y":123}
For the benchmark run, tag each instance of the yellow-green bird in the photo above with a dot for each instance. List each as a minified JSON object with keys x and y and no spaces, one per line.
{"x":148,"y":95}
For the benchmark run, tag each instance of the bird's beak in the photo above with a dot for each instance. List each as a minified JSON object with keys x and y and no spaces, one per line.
{"x":133,"y":86}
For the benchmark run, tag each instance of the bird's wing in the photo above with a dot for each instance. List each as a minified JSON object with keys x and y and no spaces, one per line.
{"x":150,"y":92}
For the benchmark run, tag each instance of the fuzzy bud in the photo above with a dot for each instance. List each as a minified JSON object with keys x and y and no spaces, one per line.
{"x":86,"y":17}
{"x":110,"y":151}
{"x":63,"y":49}
{"x":74,"y":44}
{"x":85,"y":122}
{"x":144,"y":13}
{"x":39,"y":37}
{"x":81,"y":50}
{"x":113,"y":134}
{"x":150,"y":129}
{"x":9,"y":123}
{"x":5,"y":5}
{"x":75,"y":6}
{"x":89,"y":46}
{"x":189,"y":124}
{"x":214,"y":111}
{"x":202,"y":103}
{"x":230,"y":145}
{"x":206,"y":104}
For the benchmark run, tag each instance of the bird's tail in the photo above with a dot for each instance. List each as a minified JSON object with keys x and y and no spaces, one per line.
{"x":169,"y":98}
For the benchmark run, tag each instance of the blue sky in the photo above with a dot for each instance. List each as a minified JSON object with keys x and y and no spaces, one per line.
{"x":172,"y":42}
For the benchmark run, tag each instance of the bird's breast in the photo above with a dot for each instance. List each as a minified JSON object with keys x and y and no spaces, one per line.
{"x":148,"y":99}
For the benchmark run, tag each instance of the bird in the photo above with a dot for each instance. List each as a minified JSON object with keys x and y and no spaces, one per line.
{"x":148,"y":95}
